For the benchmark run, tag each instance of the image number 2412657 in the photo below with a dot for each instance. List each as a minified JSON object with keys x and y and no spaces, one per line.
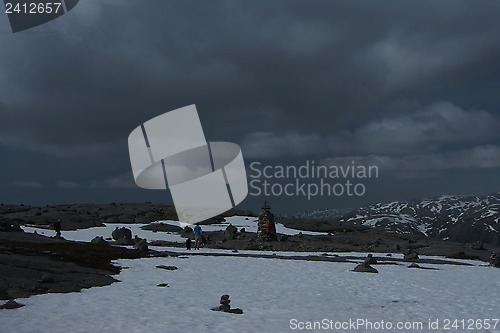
{"x":33,"y":7}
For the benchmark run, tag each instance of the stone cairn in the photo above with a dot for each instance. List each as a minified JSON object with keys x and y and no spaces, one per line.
{"x":366,"y":265}
{"x":225,"y":307}
{"x":266,"y":225}
{"x":370,"y":260}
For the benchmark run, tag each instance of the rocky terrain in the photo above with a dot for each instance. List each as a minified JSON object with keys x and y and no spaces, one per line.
{"x":455,"y":218}
{"x":79,"y":216}
{"x":453,"y":227}
{"x":33,"y":264}
{"x":355,"y":240}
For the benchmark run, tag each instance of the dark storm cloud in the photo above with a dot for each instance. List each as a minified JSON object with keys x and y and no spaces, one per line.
{"x":427,"y":165}
{"x":285,"y":78}
{"x":292,"y":65}
{"x":434,"y":128}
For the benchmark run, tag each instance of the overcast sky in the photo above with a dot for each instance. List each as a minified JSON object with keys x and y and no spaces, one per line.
{"x":412,"y":87}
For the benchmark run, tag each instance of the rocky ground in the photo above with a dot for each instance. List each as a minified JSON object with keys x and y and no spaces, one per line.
{"x":366,"y":240}
{"x":33,"y":264}
{"x":79,"y":216}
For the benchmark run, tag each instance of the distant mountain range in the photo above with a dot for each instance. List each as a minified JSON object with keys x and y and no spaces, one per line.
{"x":457,"y":218}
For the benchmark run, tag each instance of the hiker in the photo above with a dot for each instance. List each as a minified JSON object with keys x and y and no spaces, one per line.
{"x":57,"y":227}
{"x":197,"y":237}
{"x":188,"y":243}
{"x":268,"y":230}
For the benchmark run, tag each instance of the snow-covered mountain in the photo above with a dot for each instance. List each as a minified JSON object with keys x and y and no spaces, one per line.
{"x":458,"y":218}
{"x":326,"y":214}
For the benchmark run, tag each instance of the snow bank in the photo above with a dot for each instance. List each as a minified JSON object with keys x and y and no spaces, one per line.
{"x":270,"y":291}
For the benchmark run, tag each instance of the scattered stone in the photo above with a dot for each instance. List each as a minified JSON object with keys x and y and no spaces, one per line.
{"x":11,"y":304}
{"x":163,"y":285}
{"x":414,"y":265}
{"x":99,"y":241}
{"x":388,"y":255}
{"x":169,"y":268}
{"x":235,"y":251}
{"x":410,"y":256}
{"x":142,"y":245}
{"x":230,"y":232}
{"x":243,"y":229}
{"x":365,"y":269}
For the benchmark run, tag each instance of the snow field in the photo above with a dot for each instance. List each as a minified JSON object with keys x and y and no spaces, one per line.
{"x":271,"y":292}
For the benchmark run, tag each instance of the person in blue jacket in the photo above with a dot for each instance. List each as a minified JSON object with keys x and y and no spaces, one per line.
{"x":197,"y":237}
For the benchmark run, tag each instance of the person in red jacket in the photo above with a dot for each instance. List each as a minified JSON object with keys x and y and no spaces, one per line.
{"x":268,"y":229}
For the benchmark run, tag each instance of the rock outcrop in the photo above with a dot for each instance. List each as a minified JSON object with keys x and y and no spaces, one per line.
{"x":230,"y":232}
{"x":142,"y":245}
{"x":365,"y":269}
{"x":122,"y":233}
{"x":99,"y":241}
{"x":11,"y":304}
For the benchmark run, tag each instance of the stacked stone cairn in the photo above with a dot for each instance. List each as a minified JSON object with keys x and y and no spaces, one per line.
{"x":266,"y":217}
{"x":225,"y":307}
{"x":366,"y":265}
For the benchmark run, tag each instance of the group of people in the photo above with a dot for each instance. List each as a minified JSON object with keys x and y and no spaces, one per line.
{"x":197,"y":239}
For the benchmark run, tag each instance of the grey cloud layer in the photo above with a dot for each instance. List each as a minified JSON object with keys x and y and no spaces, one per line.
{"x":284,"y":78}
{"x":296,"y":65}
{"x":436,"y":127}
{"x":426,"y":165}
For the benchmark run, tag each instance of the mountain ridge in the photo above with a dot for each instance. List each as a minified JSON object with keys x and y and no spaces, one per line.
{"x":454,"y":217}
